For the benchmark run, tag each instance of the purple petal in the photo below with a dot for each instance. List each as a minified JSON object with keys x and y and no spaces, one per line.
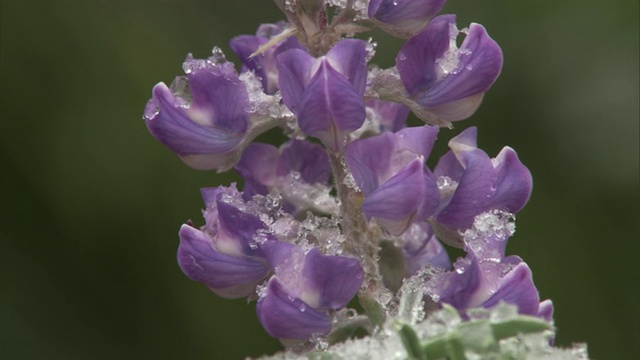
{"x":376,"y":159}
{"x":545,"y":310}
{"x":421,"y":248}
{"x":517,"y":288}
{"x":392,"y":116}
{"x":330,"y":107}
{"x":366,"y":158}
{"x":202,"y":147}
{"x":480,"y":63}
{"x":461,"y":287}
{"x":349,"y":57}
{"x":335,"y":279}
{"x":211,"y":195}
{"x":219,"y":97}
{"x":264,"y":65}
{"x":294,"y":67}
{"x":406,"y":17}
{"x":211,"y":126}
{"x":235,"y":229}
{"x":449,"y":166}
{"x":244,"y":46}
{"x":258,"y":168}
{"x":287,"y":317}
{"x":279,"y":253}
{"x":514,"y":182}
{"x":483,"y":183}
{"x":307,"y":158}
{"x":411,"y":195}
{"x":416,"y":60}
{"x":449,"y":82}
{"x":227,"y":276}
{"x":470,"y":197}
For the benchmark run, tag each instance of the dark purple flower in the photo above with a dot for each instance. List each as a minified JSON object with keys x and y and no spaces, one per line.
{"x":472,"y":183}
{"x":264,"y":64}
{"x":391,"y":173}
{"x":307,"y":287}
{"x":222,"y":254}
{"x":203,"y":117}
{"x":326,"y":94}
{"x":404,"y":18}
{"x":446,"y":81}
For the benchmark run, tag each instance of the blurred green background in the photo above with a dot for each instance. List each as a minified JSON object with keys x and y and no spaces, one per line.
{"x":92,"y":203}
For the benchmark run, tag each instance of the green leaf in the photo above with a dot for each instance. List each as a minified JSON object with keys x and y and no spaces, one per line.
{"x":411,"y":343}
{"x":520,"y":325}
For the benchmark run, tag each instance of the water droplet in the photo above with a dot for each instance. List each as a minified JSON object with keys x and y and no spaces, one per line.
{"x":217,"y":56}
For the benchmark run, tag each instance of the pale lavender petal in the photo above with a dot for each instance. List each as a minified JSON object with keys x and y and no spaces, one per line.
{"x":335,"y":279}
{"x":227,"y":276}
{"x":287,"y":317}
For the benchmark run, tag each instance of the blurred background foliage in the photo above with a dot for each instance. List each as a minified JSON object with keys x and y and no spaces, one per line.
{"x":92,"y":203}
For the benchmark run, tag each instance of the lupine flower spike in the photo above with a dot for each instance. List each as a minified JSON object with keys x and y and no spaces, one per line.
{"x":340,"y":234}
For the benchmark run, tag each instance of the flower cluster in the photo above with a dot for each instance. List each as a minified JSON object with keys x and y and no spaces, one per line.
{"x":348,"y":204}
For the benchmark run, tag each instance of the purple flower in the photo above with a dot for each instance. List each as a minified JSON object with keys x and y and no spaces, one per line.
{"x":479,"y":283}
{"x":446,"y":81}
{"x":391,"y":173}
{"x":404,"y":18}
{"x":295,"y":170}
{"x":485,"y":276}
{"x":201,"y":118}
{"x":263,"y":65}
{"x":326,"y":94}
{"x":422,"y":248}
{"x":471,"y":183}
{"x":387,"y":115}
{"x":222,"y":254}
{"x":307,"y":287}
